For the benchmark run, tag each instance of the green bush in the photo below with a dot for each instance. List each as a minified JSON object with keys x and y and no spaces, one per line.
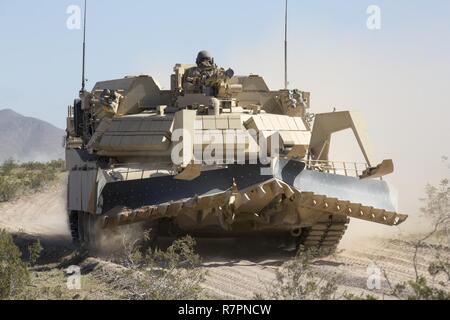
{"x":14,"y":275}
{"x":16,"y":179}
{"x":8,"y":166}
{"x":34,"y":252}
{"x":420,"y":289}
{"x":9,"y":187}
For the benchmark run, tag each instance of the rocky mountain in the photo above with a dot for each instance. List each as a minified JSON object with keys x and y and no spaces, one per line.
{"x":28,"y":139}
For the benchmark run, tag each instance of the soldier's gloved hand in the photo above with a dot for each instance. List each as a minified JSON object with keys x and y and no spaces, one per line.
{"x":229,"y":73}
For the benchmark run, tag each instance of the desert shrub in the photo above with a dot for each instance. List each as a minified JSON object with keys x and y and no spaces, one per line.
{"x":298,"y":280}
{"x":16,"y":179}
{"x":437,"y":203}
{"x":171,"y":274}
{"x":34,"y":252}
{"x":14,"y":275}
{"x":420,"y":289}
{"x":437,"y":208}
{"x":9,"y":187}
{"x":55,"y":165}
{"x":8,"y":166}
{"x":352,"y":296}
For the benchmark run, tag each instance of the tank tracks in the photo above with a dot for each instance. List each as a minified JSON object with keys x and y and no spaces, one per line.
{"x":325,"y":235}
{"x":83,"y":228}
{"x":73,"y":225}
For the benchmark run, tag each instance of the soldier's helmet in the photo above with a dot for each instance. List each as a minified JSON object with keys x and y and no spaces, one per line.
{"x":204,"y":56}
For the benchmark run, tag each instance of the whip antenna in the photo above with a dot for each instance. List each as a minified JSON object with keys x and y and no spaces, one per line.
{"x":83,"y":80}
{"x":286,"y":83}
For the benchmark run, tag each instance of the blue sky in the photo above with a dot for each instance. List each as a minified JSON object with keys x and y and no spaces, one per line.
{"x":40,"y":62}
{"x":398,"y":76}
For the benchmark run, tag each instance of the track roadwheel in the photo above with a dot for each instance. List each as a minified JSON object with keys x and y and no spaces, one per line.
{"x":325,"y":235}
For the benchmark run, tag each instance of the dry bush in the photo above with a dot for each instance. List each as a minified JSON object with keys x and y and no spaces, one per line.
{"x":17,"y":179}
{"x":298,"y":280}
{"x":9,"y":188}
{"x":173,"y":274}
{"x":419,"y":289}
{"x":437,"y":209}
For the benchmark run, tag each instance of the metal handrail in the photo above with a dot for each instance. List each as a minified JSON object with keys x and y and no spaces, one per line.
{"x":354,"y":169}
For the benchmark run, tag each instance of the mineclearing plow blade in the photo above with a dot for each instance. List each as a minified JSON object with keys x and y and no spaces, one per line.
{"x":369,"y":199}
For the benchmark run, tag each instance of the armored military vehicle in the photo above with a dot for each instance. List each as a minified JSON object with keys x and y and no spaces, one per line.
{"x":217,"y":155}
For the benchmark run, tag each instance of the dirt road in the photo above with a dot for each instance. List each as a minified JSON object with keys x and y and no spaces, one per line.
{"x":239,"y":269}
{"x":39,"y":214}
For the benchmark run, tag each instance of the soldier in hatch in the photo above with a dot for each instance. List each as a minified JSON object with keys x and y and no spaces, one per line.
{"x":206,"y":76}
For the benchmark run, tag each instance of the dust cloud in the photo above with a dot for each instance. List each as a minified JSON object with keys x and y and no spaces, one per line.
{"x":43,"y":213}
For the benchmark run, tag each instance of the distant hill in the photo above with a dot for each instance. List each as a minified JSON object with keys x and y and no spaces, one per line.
{"x":28,"y":139}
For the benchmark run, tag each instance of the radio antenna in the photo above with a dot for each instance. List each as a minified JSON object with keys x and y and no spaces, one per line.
{"x":286,"y":83}
{"x":83,"y":80}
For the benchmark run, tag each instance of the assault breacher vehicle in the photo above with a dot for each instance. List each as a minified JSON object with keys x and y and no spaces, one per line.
{"x":189,"y":160}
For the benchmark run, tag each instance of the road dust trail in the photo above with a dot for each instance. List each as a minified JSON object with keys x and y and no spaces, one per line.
{"x":42,"y":213}
{"x":242,"y":268}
